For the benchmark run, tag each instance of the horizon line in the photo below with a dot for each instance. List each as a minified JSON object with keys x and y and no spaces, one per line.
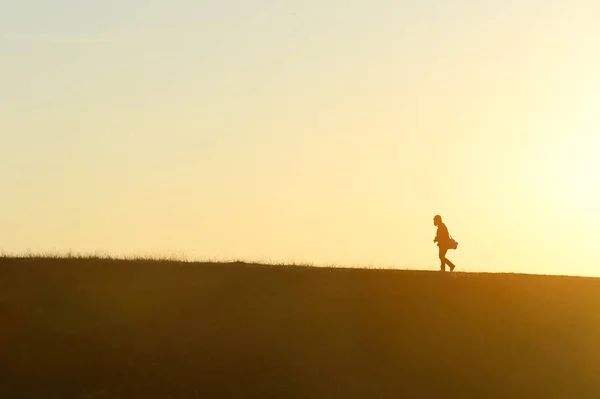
{"x":289,"y":264}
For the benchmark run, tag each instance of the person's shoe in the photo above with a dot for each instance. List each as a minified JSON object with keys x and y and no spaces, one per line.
{"x":452,"y":268}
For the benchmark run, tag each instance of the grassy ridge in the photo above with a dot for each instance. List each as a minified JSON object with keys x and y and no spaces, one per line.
{"x":93,"y":328}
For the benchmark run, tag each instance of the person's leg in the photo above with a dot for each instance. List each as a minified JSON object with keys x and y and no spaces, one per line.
{"x":444,"y":261}
{"x":442,"y":255}
{"x":452,"y":266}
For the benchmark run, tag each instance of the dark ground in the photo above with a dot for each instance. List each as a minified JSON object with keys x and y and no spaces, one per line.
{"x":141,"y":329}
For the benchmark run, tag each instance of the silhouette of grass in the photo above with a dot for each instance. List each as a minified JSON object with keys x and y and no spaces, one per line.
{"x":95,"y":327}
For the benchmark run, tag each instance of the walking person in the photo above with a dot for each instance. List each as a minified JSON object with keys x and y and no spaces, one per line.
{"x":444,"y":243}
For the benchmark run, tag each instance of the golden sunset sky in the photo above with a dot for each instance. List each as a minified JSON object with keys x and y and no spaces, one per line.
{"x":328,"y":132}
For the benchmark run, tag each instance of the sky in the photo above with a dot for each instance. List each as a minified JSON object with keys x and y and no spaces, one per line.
{"x":321,"y":132}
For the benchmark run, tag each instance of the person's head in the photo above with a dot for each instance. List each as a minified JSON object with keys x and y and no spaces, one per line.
{"x":437,"y":219}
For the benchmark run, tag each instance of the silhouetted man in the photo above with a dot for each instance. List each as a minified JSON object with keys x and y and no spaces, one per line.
{"x":443,"y":241}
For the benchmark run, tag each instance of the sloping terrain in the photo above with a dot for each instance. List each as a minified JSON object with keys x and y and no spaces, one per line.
{"x":149,"y":329}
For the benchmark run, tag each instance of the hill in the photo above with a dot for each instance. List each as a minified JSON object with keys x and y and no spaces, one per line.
{"x":148,"y":329}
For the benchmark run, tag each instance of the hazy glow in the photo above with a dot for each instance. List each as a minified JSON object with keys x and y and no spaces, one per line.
{"x":309,"y":131}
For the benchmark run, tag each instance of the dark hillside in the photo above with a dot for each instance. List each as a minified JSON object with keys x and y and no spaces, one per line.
{"x":142,"y":329}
